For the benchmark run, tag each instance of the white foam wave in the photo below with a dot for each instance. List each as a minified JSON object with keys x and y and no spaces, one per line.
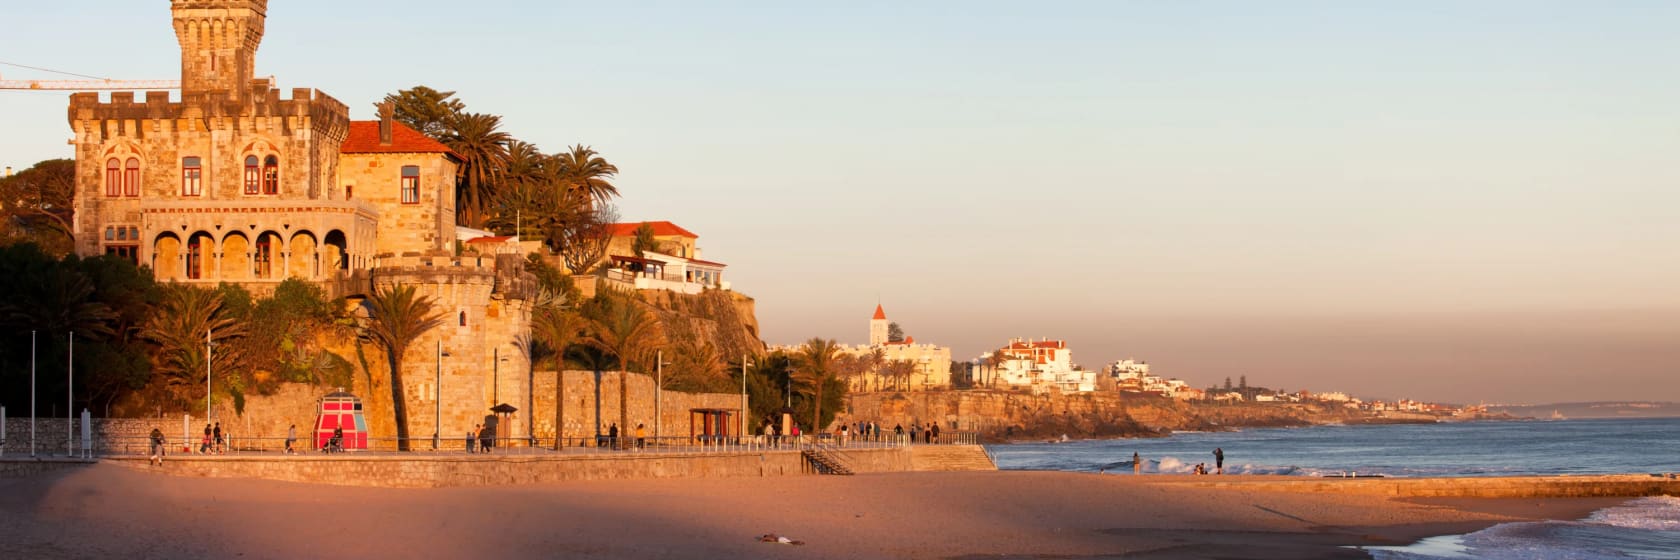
{"x":1174,"y":465}
{"x":1657,"y":513}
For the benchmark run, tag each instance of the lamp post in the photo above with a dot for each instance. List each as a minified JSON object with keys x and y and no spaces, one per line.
{"x":658,"y":391}
{"x":70,"y":401}
{"x":31,"y":393}
{"x":744,"y":363}
{"x":437,"y":397}
{"x":208,"y":348}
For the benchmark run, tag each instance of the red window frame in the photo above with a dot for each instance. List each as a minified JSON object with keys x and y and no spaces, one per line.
{"x":253,"y":175}
{"x":411,"y":184}
{"x":271,"y":175}
{"x":131,"y":177}
{"x":113,"y":177}
{"x":192,"y":175}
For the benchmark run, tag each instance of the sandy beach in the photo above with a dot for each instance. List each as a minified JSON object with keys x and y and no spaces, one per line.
{"x":114,"y":511}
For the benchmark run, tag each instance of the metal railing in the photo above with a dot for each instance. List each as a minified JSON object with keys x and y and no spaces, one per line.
{"x":234,"y":445}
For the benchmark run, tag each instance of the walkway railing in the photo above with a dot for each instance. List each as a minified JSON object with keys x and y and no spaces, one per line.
{"x":235,"y":445}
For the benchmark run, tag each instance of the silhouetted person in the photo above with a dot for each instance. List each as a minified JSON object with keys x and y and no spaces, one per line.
{"x":1219,"y":460}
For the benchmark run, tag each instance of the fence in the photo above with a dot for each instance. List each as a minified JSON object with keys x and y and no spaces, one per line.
{"x":256,"y":446}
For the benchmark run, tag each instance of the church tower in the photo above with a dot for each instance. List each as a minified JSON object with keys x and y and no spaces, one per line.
{"x":218,"y":44}
{"x":878,"y":327}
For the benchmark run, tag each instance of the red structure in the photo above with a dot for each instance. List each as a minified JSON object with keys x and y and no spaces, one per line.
{"x":344,"y":410}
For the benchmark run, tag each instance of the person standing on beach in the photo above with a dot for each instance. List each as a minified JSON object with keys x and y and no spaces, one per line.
{"x":157,"y":446}
{"x":1137,"y":463}
{"x":1219,"y":460}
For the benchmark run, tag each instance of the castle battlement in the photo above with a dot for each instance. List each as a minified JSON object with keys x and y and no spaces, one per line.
{"x":325,"y":114}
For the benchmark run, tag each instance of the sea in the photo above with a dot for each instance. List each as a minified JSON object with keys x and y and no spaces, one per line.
{"x":1640,"y":528}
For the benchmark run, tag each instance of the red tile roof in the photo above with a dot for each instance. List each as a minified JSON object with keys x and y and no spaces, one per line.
{"x":880,"y":314}
{"x":494,"y":239}
{"x":661,"y":228}
{"x":364,"y":139}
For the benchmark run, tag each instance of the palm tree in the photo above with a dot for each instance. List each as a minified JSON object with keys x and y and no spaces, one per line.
{"x":877,"y":359}
{"x":557,"y":328}
{"x":816,"y":361}
{"x":627,"y":333}
{"x":397,"y":317}
{"x":484,"y":157}
{"x":179,"y":328}
{"x":582,"y":170}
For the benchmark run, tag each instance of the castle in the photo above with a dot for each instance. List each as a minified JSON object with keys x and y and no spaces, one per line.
{"x":234,"y":183}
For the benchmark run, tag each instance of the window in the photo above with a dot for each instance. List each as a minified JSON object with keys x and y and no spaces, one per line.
{"x":131,"y":253}
{"x":113,"y":178}
{"x":252,"y":175}
{"x":131,"y":177}
{"x":110,"y":234}
{"x":191,"y":174}
{"x":265,"y":253}
{"x":271,"y":175}
{"x":463,"y":318}
{"x":411,"y":184}
{"x":194,"y":264}
{"x":349,"y":191}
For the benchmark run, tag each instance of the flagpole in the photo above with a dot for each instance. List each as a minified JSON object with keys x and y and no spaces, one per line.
{"x":31,"y":393}
{"x":207,"y":351}
{"x":70,"y":410}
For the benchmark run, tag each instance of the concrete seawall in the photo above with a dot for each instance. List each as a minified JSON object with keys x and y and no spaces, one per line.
{"x":1583,"y":486}
{"x":399,"y":471}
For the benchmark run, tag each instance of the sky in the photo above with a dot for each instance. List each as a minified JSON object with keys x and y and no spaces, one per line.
{"x":1450,"y":201}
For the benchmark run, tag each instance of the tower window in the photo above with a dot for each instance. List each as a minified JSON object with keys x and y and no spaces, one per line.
{"x":191,"y":174}
{"x":131,"y":177}
{"x":253,"y":175}
{"x":463,"y":318}
{"x":113,"y":177}
{"x":271,"y":175}
{"x":411,"y":184}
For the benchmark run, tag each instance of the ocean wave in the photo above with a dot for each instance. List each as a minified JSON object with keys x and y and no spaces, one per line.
{"x":1643,"y":528}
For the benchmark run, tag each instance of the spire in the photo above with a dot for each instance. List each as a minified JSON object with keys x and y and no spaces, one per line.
{"x":880,"y":314}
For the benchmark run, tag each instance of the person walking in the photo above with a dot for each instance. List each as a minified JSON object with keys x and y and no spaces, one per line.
{"x":157,"y":447}
{"x":934,"y":433}
{"x":1219,"y":460}
{"x":612,"y":436}
{"x":472,"y":439}
{"x":1137,"y":463}
{"x":291,"y":438}
{"x":641,"y":436}
{"x":204,"y":446}
{"x":218,"y":432}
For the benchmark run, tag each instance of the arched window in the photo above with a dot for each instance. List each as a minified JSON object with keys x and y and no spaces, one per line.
{"x":411,"y":184}
{"x":271,"y":175}
{"x":463,"y":318}
{"x":131,"y":177}
{"x":253,"y":175}
{"x":191,"y":174}
{"x":113,"y":177}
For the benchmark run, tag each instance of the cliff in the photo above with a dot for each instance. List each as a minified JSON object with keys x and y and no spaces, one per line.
{"x":1011,"y":415}
{"x":723,"y":318}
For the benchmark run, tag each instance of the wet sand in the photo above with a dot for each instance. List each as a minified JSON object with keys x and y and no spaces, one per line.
{"x":121,"y":512}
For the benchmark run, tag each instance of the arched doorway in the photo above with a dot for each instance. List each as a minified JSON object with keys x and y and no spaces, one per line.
{"x":265,"y":257}
{"x":201,"y":247}
{"x":166,"y":257}
{"x":335,"y":254}
{"x":303,"y":261}
{"x":236,"y":257}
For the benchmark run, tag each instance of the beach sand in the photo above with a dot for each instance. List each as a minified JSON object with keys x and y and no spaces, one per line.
{"x":110,"y":511}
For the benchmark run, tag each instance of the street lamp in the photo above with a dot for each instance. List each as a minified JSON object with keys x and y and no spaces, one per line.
{"x":659,"y":364}
{"x":437,"y":397}
{"x":745,"y":361}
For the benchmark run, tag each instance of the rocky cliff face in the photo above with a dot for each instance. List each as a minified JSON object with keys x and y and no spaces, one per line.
{"x":1012,"y":415}
{"x":724,"y":318}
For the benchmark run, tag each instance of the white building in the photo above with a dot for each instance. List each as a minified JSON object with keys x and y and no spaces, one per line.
{"x":1042,"y":364}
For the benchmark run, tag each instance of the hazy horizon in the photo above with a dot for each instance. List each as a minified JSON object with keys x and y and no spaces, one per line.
{"x":1432,"y":200}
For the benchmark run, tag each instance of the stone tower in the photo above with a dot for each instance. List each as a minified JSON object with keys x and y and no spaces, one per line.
{"x":218,"y":44}
{"x":878,"y":327}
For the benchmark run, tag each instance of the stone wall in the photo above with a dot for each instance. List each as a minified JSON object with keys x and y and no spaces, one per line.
{"x":421,"y":227}
{"x":50,"y":433}
{"x":467,"y":470}
{"x":581,"y":420}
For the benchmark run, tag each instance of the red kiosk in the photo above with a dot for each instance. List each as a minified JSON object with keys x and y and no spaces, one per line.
{"x":341,"y":410}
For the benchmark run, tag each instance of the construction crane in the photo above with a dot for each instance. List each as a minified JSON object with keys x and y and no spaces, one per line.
{"x":85,"y":85}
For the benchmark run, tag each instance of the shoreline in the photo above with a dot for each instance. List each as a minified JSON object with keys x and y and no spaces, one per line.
{"x":106,"y":510}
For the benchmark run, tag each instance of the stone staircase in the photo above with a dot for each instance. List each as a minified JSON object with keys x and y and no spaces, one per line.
{"x":825,"y":462}
{"x":950,"y":458}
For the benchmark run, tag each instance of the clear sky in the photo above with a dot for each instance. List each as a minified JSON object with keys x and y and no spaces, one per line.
{"x":1450,"y":200}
